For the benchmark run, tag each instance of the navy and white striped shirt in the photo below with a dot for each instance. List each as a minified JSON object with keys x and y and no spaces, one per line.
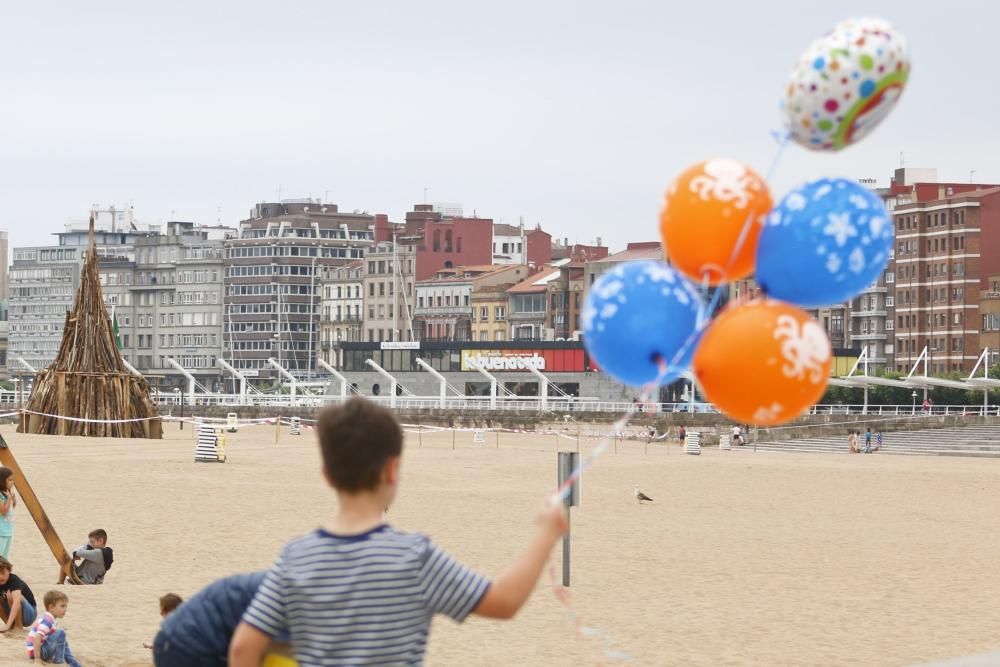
{"x":363,"y":599}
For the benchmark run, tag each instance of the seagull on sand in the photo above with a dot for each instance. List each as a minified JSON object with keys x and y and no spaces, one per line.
{"x":640,"y":496}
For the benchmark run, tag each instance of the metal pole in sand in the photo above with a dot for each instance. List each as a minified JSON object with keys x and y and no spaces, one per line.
{"x":498,"y":437}
{"x":277,"y":428}
{"x":420,"y":435}
{"x":568,"y":462}
{"x":452,"y":438}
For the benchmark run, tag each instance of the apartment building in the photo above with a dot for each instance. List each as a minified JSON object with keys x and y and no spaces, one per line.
{"x":44,"y":281}
{"x":175,"y":309}
{"x":272,"y":280}
{"x":527,"y":311}
{"x":341,"y":306}
{"x":445,"y":310}
{"x":388,"y":288}
{"x":635,"y":251}
{"x":946,"y":251}
{"x":565,"y":295}
{"x":989,"y":313}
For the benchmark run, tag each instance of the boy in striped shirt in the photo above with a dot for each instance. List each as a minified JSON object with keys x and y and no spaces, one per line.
{"x":46,"y":641}
{"x":363,"y":593}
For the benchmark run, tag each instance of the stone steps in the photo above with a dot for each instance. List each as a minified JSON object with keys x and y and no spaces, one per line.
{"x":972,"y":441}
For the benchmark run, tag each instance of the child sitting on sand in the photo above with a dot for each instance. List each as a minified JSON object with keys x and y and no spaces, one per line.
{"x":95,"y":558}
{"x":362,"y":592}
{"x":16,"y":599}
{"x":46,"y":642}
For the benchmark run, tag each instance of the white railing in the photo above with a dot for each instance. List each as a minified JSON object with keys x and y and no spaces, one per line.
{"x":533,"y":404}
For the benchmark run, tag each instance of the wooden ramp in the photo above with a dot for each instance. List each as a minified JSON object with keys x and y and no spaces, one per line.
{"x":30,"y":500}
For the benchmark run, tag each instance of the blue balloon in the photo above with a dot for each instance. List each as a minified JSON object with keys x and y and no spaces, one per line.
{"x":639,"y":316}
{"x":825,"y":242}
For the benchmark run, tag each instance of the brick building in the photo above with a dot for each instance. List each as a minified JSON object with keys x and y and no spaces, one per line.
{"x":947,"y":247}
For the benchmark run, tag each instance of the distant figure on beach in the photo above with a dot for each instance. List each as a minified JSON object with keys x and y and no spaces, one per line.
{"x":737,"y":435}
{"x":16,"y":599}
{"x":8,"y":501}
{"x":198,"y":632}
{"x":360,"y":567}
{"x":95,"y":558}
{"x":926,"y":405}
{"x":852,"y":442}
{"x":868,"y":440}
{"x":681,"y":433}
{"x":878,"y":441}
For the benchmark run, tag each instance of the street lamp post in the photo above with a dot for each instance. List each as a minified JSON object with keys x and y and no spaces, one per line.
{"x":914,"y":396}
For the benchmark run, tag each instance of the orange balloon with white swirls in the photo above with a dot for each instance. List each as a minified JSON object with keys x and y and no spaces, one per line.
{"x":764,"y":362}
{"x":711,"y":218}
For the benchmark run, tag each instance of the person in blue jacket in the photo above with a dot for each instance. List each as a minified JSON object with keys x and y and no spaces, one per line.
{"x":197,"y":633}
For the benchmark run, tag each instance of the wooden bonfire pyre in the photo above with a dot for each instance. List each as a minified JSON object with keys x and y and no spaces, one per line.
{"x":88,"y":379}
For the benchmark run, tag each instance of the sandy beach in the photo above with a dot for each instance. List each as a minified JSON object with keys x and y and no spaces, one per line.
{"x":743,"y":558}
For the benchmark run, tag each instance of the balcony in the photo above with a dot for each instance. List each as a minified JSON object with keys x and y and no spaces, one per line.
{"x":868,"y":313}
{"x":877,"y":288}
{"x":443,"y":311}
{"x":878,"y":335}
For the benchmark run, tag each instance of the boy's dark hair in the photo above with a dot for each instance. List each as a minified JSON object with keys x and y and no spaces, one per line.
{"x":99,"y":534}
{"x":53,"y":597}
{"x":5,"y":565}
{"x":169,"y":602}
{"x":356,"y":438}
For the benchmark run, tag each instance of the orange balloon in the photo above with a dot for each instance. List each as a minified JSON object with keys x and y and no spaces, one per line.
{"x":712,"y":217}
{"x":764,"y":362}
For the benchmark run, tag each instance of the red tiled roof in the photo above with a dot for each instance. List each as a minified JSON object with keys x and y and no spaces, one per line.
{"x":528,"y":284}
{"x":635,"y":251}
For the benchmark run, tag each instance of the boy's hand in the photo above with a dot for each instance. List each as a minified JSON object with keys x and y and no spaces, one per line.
{"x":553,"y":519}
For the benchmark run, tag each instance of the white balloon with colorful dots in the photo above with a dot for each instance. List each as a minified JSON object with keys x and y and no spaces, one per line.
{"x":845,"y":83}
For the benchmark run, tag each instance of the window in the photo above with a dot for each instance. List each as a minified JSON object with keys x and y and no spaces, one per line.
{"x":500,"y":313}
{"x":527,"y":303}
{"x":500,"y":335}
{"x":484,"y":313}
{"x":890,"y":277}
{"x":890,"y":301}
{"x":889,"y":325}
{"x":483,"y":336}
{"x":437,"y":240}
{"x":420,"y":302}
{"x":465,"y":300}
{"x":371,"y":289}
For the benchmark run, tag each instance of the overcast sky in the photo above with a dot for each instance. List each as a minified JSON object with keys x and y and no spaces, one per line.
{"x":574,"y":115}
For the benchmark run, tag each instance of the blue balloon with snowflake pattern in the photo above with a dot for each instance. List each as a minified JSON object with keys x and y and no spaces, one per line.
{"x":639,"y":322}
{"x":824,"y":243}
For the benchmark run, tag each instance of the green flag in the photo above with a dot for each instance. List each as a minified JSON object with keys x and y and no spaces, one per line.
{"x":114,"y":325}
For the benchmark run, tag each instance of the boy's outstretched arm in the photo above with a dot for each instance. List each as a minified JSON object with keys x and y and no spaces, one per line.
{"x":508,"y":592}
{"x":248,"y":646}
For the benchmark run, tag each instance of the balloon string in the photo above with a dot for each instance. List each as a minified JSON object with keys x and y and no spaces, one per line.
{"x":561,"y":592}
{"x":618,"y":427}
{"x":782,"y":139}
